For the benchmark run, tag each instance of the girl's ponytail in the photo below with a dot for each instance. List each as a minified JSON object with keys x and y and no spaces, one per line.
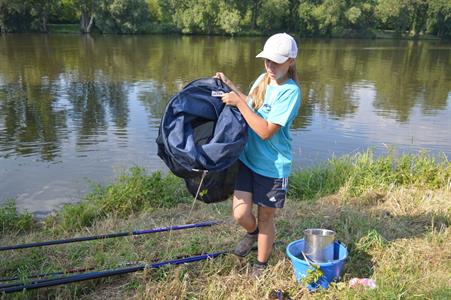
{"x":258,"y":93}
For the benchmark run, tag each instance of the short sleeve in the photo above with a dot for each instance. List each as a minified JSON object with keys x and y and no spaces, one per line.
{"x":285,"y":107}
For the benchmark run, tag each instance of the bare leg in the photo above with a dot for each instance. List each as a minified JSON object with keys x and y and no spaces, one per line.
{"x":266,"y":232}
{"x":242,"y":210}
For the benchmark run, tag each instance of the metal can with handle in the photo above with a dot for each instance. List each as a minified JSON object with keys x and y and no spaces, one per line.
{"x":319,"y":244}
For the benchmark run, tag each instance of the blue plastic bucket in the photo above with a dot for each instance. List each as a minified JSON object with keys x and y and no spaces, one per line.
{"x":331,"y":270}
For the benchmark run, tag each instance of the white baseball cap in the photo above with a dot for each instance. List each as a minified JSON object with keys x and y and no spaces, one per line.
{"x":279,"y":48}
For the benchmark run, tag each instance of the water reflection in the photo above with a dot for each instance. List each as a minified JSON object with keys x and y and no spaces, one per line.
{"x":92,"y":103}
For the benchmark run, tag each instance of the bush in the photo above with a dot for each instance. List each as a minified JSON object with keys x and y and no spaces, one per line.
{"x":123,"y":16}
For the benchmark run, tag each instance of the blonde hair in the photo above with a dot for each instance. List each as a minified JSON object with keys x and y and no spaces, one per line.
{"x":258,"y":93}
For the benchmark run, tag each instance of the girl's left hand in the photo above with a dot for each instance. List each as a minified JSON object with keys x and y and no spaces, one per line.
{"x":231,"y":98}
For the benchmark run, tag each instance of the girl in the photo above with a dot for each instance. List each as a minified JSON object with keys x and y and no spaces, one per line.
{"x":265,"y":163}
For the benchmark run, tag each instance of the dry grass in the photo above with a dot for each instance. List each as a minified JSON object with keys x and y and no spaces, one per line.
{"x":393,"y":215}
{"x":400,"y":237}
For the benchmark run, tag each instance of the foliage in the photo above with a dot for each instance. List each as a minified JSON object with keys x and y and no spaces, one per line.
{"x":313,"y":274}
{"x":154,"y":10}
{"x":196,"y":16}
{"x":122,"y":16}
{"x":229,"y":19}
{"x":274,"y":14}
{"x":354,"y":175}
{"x":132,"y":192}
{"x":23,"y":16}
{"x":391,"y":14}
{"x":318,"y":181}
{"x":13,"y":221}
{"x":306,"y":17}
{"x":439,"y":18}
{"x":65,"y":12}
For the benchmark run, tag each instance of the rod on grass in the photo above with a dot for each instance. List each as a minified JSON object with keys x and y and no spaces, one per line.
{"x":44,"y":276}
{"x":3,"y":279}
{"x":106,"y":273}
{"x":38,"y":278}
{"x":108,"y":236}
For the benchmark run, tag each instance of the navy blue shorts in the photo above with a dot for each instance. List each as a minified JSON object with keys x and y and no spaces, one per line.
{"x":266,"y":191}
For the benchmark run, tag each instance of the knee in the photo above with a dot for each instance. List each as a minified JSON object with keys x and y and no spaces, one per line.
{"x":241,"y":217}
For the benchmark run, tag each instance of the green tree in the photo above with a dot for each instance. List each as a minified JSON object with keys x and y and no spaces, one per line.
{"x":274,"y":14}
{"x":197,"y":16}
{"x":87,"y":10}
{"x":154,"y":10}
{"x":40,"y":11}
{"x":307,"y":23}
{"x":402,"y":16}
{"x":359,"y":17}
{"x":22,"y":16}
{"x":293,"y":20}
{"x":439,"y":18}
{"x":329,"y":15}
{"x":229,"y":18}
{"x":256,"y":4}
{"x":166,"y":8}
{"x":11,"y":14}
{"x":64,"y":12}
{"x":122,"y":16}
{"x":418,"y":9}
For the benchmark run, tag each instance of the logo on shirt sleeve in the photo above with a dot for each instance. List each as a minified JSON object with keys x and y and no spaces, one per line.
{"x":266,"y":108}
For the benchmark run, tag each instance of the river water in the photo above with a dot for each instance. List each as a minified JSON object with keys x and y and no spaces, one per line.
{"x":77,"y":110}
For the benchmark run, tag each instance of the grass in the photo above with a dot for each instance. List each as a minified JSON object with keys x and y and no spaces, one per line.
{"x":132,"y":192}
{"x":64,"y":28}
{"x":11,"y":221}
{"x":392,"y":213}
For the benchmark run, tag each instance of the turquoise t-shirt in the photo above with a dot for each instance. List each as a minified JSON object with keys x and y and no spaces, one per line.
{"x":272,"y":157}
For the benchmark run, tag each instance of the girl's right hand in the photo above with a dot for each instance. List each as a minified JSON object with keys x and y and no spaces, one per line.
{"x":224,"y":78}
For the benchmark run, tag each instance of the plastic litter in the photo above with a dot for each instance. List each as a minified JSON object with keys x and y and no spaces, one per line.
{"x":367,"y":282}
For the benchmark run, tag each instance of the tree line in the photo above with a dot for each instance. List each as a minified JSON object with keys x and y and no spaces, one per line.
{"x":322,"y":18}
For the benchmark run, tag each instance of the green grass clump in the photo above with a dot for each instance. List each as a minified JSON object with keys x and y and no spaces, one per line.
{"x":355,"y":175}
{"x":132,"y":192}
{"x":321,"y":180}
{"x":13,"y":221}
{"x":421,"y":171}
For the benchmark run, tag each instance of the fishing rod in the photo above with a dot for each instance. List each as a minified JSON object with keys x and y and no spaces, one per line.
{"x":35,"y":277}
{"x":32,"y":276}
{"x":106,"y":273}
{"x":111,"y":235}
{"x":38,"y":278}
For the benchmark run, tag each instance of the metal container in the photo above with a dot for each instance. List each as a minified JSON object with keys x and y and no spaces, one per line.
{"x":319,"y":244}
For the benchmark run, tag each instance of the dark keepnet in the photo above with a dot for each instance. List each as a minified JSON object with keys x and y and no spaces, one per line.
{"x":198,"y":132}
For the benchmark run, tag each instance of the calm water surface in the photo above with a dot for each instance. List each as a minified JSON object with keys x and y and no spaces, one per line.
{"x":76,"y":109}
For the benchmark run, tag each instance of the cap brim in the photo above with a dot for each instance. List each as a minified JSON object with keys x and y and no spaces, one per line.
{"x":280,"y":59}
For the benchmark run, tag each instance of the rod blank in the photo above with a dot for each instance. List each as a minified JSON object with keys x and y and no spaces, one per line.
{"x":108,"y":236}
{"x":106,"y":273}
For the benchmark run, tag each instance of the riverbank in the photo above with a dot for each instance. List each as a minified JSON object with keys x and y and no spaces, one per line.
{"x":170,"y":29}
{"x":392,"y":213}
